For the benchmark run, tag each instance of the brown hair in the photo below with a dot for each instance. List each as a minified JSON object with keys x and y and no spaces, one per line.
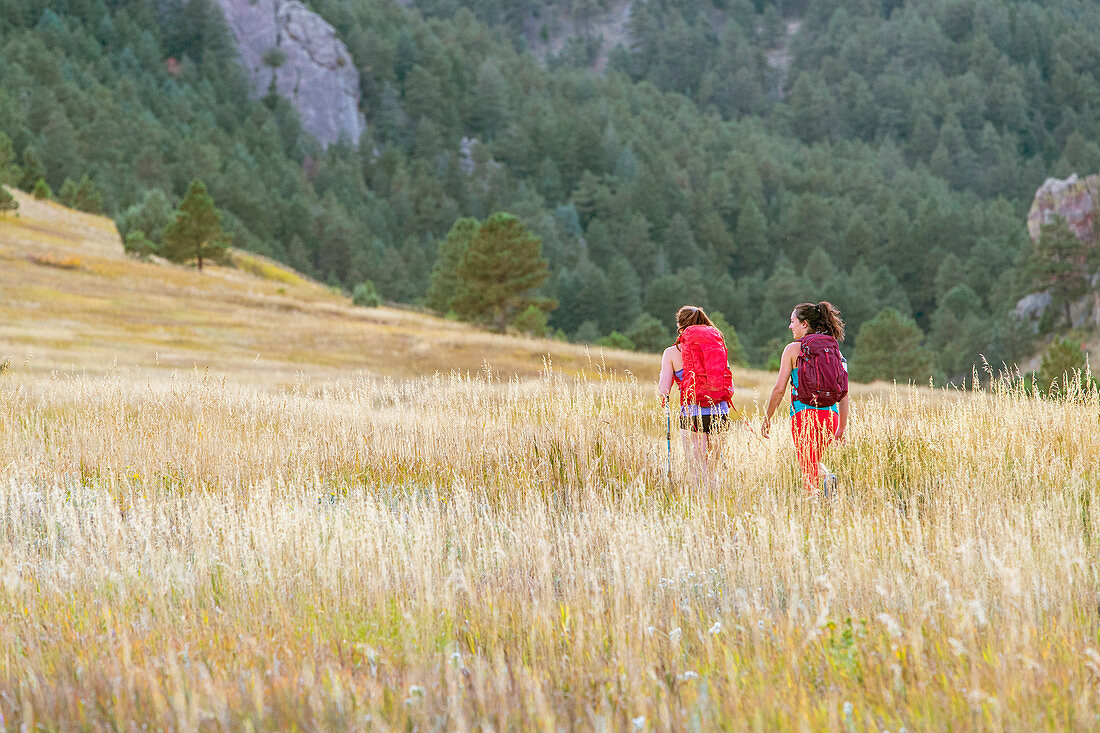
{"x":822,"y":317}
{"x":691,"y":315}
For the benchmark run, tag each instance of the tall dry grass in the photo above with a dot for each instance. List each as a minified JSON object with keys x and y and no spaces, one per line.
{"x":456,"y":553}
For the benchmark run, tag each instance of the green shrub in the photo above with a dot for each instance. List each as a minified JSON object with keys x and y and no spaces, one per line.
{"x":616,"y":340}
{"x":42,"y":190}
{"x":533,"y":321}
{"x":366,"y":295}
{"x":1064,"y":368}
{"x":138,"y":245}
{"x":7,"y":201}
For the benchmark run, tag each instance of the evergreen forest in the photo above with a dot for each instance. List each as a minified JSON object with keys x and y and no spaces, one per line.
{"x":742,"y":155}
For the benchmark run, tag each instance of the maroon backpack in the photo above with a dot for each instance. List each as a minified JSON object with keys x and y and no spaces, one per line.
{"x":822,"y":375}
{"x":707,"y":378}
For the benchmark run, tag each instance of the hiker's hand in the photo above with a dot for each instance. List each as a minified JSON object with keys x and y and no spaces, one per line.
{"x":839,"y":435}
{"x":765,"y":427}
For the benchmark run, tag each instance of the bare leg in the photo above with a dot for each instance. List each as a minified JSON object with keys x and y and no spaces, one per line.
{"x":695,"y":450}
{"x":714,"y":443}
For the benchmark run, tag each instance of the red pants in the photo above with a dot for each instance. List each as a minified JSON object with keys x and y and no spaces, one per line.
{"x":813,"y":431}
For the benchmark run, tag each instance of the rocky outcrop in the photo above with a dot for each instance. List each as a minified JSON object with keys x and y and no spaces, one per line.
{"x":285,"y":46}
{"x":1074,"y":199}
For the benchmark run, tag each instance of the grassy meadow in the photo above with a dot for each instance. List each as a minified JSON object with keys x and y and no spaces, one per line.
{"x":70,"y":300}
{"x":192,"y":540}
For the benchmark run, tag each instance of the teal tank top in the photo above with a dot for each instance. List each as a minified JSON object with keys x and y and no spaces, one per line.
{"x":797,"y":406}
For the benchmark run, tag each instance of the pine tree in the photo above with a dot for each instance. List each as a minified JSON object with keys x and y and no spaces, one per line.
{"x":647,"y":334}
{"x":923,"y":138}
{"x":196,"y":233}
{"x":33,"y":170}
{"x":891,"y":346}
{"x":638,"y":248}
{"x":7,"y":201}
{"x":1062,"y":364}
{"x":680,"y":242}
{"x":960,"y":330}
{"x":624,"y":293}
{"x":859,"y":238}
{"x":444,"y":283}
{"x":716,"y":240}
{"x":10,"y":173}
{"x":593,"y":301}
{"x":1057,"y":263}
{"x":490,"y":100}
{"x":42,"y":190}
{"x":499,"y":271}
{"x":664,"y":296}
{"x":87,"y":197}
{"x":365,"y":295}
{"x":751,"y":235}
{"x":66,"y":195}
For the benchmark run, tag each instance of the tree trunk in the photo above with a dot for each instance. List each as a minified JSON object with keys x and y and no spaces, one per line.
{"x":200,"y":265}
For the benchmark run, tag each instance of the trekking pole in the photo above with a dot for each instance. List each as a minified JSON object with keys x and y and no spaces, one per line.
{"x":668,"y":440}
{"x":744,"y":419}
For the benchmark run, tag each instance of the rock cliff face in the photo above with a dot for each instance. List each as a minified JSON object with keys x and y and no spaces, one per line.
{"x":1077,"y":201}
{"x":1074,"y":199}
{"x":284,"y":41}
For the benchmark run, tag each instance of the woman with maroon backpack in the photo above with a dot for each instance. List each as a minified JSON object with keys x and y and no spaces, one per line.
{"x":818,"y":375}
{"x":698,"y":364}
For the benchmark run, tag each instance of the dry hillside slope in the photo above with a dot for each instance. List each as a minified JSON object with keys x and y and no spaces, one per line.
{"x":71,"y":299}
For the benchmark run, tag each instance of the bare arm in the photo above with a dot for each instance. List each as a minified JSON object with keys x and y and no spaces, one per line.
{"x":843,"y":418}
{"x":668,"y":368}
{"x":786,"y":364}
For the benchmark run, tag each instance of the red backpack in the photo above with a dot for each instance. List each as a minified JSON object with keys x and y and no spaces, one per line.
{"x":707,"y":378}
{"x":822,"y":375}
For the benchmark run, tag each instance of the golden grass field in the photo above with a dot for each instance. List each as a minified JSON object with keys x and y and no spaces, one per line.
{"x":71,"y":300}
{"x":191,"y":540}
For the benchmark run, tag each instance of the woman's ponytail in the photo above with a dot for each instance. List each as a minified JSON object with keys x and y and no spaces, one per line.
{"x":821,"y":317}
{"x":834,"y":325}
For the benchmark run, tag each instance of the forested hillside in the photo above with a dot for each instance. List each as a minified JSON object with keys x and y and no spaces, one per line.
{"x":882,"y":155}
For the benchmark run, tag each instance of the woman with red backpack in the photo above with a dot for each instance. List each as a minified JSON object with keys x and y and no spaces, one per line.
{"x":699,"y":365}
{"x":818,"y":375}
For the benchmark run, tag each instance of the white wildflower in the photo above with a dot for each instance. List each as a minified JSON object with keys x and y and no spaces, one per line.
{"x":891,"y":624}
{"x":675,"y":634}
{"x":978,"y":609}
{"x":716,"y":628}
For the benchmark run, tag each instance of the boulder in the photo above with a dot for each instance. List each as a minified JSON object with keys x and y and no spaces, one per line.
{"x":286,"y":47}
{"x":1074,"y":199}
{"x":1030,"y":308}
